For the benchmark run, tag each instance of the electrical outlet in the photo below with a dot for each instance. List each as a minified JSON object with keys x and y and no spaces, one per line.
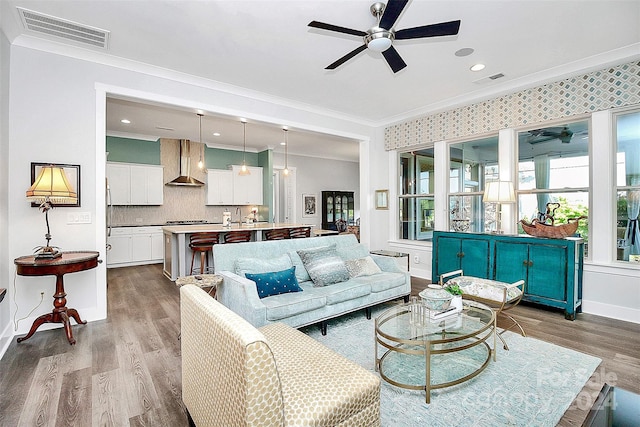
{"x":416,"y":259}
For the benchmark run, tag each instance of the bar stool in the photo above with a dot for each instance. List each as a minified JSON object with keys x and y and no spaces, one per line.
{"x":279,"y":234}
{"x":299,"y":232}
{"x":237,"y":236}
{"x":203,"y":244}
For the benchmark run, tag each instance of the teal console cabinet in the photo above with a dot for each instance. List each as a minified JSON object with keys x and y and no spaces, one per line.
{"x":466,"y":252}
{"x":551,"y":268}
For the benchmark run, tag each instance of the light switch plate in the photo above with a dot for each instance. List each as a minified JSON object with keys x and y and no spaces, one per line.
{"x":79,"y":218}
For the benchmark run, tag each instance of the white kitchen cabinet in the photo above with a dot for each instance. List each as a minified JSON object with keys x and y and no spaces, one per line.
{"x":247,"y":189}
{"x":157,"y":248}
{"x":140,"y":247}
{"x":134,"y":184}
{"x":119,"y":183}
{"x":219,"y":187}
{"x":134,"y":246}
{"x":120,"y":242}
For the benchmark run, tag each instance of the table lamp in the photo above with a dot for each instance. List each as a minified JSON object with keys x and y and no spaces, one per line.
{"x":50,"y":187}
{"x":499,"y":192}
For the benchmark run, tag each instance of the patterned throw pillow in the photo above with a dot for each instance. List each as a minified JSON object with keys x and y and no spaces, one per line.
{"x":362,"y":267}
{"x":275,"y":282}
{"x":324,"y":265}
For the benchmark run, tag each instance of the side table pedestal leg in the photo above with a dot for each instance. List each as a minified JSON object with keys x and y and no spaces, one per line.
{"x":45,"y":318}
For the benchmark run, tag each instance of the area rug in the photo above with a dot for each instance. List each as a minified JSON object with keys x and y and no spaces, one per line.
{"x":532,"y":384}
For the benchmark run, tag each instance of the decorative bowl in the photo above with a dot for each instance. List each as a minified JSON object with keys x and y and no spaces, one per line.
{"x":460,"y":224}
{"x":435,"y":298}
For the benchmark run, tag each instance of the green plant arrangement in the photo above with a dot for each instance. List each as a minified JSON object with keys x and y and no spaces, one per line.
{"x":453,"y":289}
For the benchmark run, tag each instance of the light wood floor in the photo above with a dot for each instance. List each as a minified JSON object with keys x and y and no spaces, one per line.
{"x":126,"y":370}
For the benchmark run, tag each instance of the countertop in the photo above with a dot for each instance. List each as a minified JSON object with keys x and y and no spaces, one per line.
{"x":180,"y":229}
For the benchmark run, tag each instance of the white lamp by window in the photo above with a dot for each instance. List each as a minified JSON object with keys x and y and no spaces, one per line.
{"x":499,"y":192}
{"x":50,"y":187}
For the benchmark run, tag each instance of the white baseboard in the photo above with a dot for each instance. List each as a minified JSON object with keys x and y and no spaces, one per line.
{"x":422,"y":273}
{"x":612,"y":311}
{"x":5,"y":339}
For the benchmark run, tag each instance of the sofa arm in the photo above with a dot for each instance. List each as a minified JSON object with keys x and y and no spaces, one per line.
{"x":241,"y":296}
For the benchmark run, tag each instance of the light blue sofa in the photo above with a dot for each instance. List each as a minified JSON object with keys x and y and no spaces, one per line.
{"x":313,"y":304}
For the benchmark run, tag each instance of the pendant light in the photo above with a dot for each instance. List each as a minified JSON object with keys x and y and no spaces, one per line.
{"x":286,"y":153}
{"x":201,"y":161}
{"x":244,"y":170}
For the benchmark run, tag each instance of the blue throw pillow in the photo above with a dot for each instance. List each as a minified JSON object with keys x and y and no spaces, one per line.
{"x":276,"y":282}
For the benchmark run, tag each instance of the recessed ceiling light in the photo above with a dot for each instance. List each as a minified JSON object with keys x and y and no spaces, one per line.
{"x":125,"y":121}
{"x":477,"y":67}
{"x":283,"y":143}
{"x":216,"y":134}
{"x":465,"y":51}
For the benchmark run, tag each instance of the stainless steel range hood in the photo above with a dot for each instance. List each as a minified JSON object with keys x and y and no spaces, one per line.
{"x":185,"y":179}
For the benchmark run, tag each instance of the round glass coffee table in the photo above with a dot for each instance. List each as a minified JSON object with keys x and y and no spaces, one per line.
{"x":426,"y":354}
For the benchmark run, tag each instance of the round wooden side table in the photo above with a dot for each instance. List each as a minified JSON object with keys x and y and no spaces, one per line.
{"x":69,"y":262}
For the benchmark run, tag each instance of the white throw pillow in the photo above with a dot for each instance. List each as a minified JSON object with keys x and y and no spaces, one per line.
{"x":362,"y":267}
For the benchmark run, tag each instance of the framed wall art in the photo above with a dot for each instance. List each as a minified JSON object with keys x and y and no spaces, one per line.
{"x":382,"y":199}
{"x":309,"y":205}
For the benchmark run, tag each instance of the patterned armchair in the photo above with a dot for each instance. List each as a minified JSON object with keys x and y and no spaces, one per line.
{"x":236,"y":375}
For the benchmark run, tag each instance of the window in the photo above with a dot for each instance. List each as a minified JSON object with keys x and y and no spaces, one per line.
{"x":628,"y":186}
{"x":553,"y":167}
{"x":416,"y":204}
{"x":471,"y":164}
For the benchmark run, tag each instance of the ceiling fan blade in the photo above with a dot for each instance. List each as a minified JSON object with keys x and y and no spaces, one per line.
{"x":435,"y":30}
{"x":345,"y":58}
{"x":323,"y":26}
{"x":392,"y":11}
{"x":393,"y":59}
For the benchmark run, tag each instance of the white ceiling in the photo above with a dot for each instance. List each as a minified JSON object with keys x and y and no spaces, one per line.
{"x":267,"y":47}
{"x":162,"y":121}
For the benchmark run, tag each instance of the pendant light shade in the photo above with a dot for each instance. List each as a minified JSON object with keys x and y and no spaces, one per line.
{"x":201,"y":161}
{"x":286,"y":153}
{"x":244,"y":170}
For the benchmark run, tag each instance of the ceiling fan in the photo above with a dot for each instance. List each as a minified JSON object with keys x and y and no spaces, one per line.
{"x":380,"y":37}
{"x":536,"y":136}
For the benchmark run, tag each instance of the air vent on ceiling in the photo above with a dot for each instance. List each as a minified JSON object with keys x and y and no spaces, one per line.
{"x":490,"y":78}
{"x":62,"y":28}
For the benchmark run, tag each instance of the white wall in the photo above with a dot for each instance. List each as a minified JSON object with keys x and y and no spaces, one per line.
{"x":314,"y":175}
{"x":5,"y":333}
{"x":56,"y":114}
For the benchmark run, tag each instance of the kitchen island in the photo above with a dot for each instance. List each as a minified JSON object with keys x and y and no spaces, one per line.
{"x":177,"y":255}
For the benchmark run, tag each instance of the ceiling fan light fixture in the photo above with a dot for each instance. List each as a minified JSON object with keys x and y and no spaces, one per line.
{"x":379,"y":41}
